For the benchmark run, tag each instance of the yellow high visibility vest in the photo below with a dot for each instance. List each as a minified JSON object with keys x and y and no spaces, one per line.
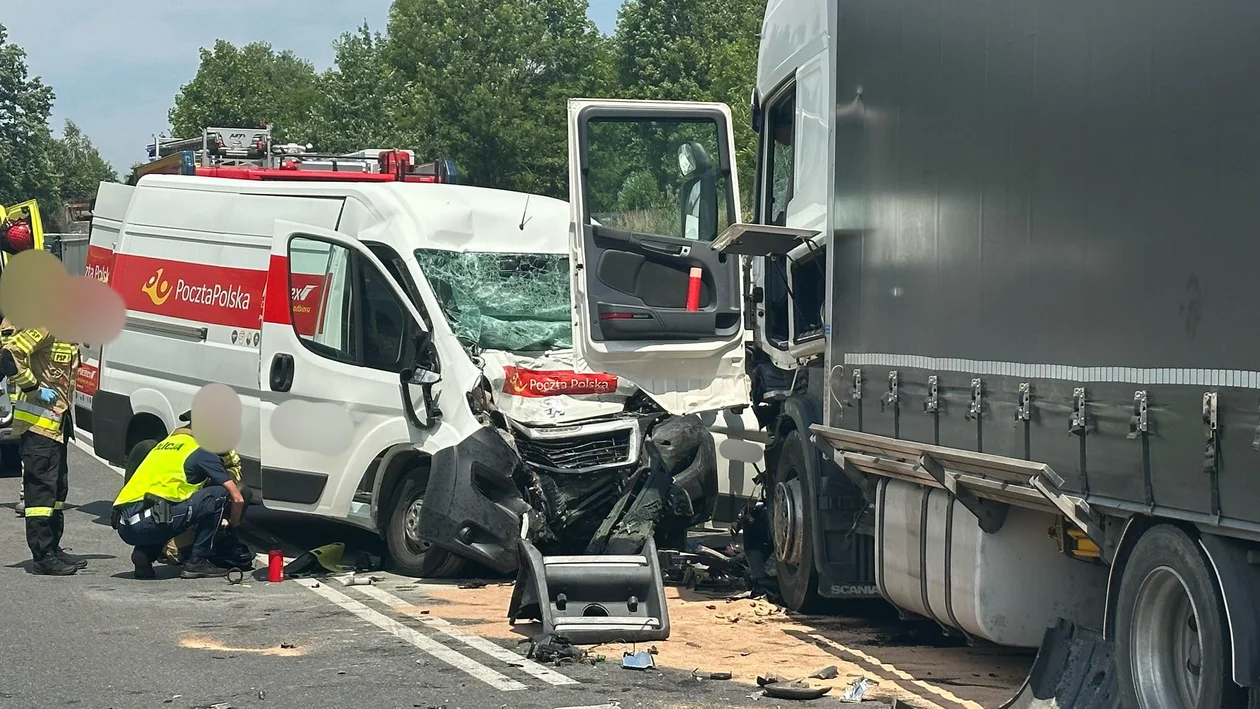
{"x":162,"y":473}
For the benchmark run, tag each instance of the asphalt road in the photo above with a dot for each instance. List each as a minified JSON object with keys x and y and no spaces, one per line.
{"x":103,"y":639}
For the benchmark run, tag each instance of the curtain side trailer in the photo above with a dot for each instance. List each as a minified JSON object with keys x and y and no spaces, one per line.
{"x":1004,"y":334}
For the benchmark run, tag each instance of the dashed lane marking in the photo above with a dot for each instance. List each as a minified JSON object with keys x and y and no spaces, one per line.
{"x":906,"y":676}
{"x":474,"y":641}
{"x":423,"y":642}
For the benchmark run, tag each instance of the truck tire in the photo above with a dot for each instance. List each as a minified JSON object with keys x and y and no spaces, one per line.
{"x":792,"y":524}
{"x":411,"y":555}
{"x":11,"y":460}
{"x":1172,"y":643}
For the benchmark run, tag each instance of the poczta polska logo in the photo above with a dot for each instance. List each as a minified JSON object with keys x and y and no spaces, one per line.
{"x":159,"y":290}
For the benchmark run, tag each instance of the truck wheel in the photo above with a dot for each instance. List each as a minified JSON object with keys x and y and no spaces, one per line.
{"x":1172,"y":644}
{"x":412,"y":555}
{"x":136,"y":457}
{"x":791,"y":521}
{"x":11,"y":460}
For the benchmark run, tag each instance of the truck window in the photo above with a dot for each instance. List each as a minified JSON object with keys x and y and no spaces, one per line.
{"x":779,"y":162}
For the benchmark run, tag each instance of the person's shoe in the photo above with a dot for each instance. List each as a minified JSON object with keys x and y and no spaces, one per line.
{"x":201,"y":569}
{"x":143,"y":564}
{"x":77,"y":562}
{"x":53,"y":566}
{"x":20,"y":508}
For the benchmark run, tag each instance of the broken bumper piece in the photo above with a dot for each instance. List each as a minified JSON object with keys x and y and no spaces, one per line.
{"x":592,"y":599}
{"x":472,"y":506}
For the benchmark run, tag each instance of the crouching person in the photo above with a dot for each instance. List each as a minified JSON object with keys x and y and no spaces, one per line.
{"x":179,"y":487}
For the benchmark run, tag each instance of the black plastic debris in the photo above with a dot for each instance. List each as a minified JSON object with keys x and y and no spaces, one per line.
{"x":549,"y":648}
{"x":794,"y":690}
{"x":720,"y":676}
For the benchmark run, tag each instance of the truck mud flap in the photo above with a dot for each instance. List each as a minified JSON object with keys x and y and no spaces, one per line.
{"x":1074,"y":668}
{"x":592,"y":599}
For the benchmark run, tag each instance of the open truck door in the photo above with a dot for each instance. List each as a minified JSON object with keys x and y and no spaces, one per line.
{"x":652,"y":184}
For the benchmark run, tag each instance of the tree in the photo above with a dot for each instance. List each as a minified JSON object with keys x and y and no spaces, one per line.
{"x":248,"y":87}
{"x":26,"y":145}
{"x":694,"y":50}
{"x":80,"y":166}
{"x":485,"y":82}
{"x":359,"y":95}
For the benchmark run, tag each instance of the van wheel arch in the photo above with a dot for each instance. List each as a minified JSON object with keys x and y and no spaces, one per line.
{"x":405,"y":479}
{"x":144,"y":431}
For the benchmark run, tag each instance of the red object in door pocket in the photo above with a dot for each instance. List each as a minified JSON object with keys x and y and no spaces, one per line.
{"x":693,"y":289}
{"x":275,"y":566}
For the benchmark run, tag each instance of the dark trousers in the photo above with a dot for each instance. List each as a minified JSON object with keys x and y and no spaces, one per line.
{"x":45,"y":484}
{"x":203,"y":512}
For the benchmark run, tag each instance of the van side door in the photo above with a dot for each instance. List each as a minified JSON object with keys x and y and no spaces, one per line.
{"x":338,"y":334}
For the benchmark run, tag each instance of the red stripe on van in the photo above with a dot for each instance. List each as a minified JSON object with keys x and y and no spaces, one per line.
{"x":214,"y":295}
{"x":100,"y":262}
{"x":276,"y":309}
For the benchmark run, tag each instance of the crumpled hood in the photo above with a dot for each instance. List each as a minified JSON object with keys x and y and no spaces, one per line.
{"x":544,"y":390}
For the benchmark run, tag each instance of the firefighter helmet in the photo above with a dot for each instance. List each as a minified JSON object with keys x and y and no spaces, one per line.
{"x":18,"y":237}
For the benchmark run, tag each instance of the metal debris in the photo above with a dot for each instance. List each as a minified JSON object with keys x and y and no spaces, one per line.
{"x":856,"y":690}
{"x":641,"y":660}
{"x":828,"y":672}
{"x":699,"y":676}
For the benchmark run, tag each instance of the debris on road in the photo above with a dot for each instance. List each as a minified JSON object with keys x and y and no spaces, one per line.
{"x":856,"y":690}
{"x":828,"y":672}
{"x":641,"y":660}
{"x":798,"y":689}
{"x":698,"y":675}
{"x":355,"y":580}
{"x":549,"y":648}
{"x":473,"y":584}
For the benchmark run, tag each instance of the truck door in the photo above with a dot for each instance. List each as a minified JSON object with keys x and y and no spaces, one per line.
{"x":337,"y":330}
{"x":651,"y":185}
{"x":108,"y":213}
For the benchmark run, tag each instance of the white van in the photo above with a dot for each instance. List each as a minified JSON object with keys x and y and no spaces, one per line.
{"x":437,"y":315}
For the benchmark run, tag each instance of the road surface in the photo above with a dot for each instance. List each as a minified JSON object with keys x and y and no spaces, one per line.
{"x":103,"y":639}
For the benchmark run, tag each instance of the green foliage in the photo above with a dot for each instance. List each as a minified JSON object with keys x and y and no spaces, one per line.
{"x":81,"y":167}
{"x":34,"y":164}
{"x":486,"y":84}
{"x":248,"y":87}
{"x":26,"y":145}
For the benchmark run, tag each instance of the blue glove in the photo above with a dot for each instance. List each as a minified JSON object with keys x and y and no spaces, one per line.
{"x":46,"y":396}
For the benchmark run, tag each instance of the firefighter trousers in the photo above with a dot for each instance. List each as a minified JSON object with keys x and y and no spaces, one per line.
{"x":45,"y":484}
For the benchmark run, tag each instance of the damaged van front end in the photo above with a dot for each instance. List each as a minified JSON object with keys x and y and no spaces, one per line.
{"x":571,"y":462}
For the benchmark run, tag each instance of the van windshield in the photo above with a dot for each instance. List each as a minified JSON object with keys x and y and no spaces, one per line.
{"x":502,"y":301}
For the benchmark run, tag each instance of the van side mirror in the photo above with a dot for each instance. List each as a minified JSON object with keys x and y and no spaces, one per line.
{"x":423,"y":374}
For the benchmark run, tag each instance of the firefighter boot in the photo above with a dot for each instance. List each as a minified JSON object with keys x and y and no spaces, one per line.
{"x":52,"y":566}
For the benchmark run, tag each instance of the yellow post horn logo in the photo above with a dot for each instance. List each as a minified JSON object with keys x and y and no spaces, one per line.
{"x":158,"y":289}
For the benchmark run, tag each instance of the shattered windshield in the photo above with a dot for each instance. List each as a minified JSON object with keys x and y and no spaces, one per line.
{"x":502,"y":301}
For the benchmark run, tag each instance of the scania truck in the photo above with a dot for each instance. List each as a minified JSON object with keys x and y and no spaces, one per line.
{"x":992,"y":309}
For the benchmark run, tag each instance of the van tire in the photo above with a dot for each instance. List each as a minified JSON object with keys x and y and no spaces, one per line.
{"x":1168,"y":588}
{"x":135,"y":457}
{"x":410,"y":557}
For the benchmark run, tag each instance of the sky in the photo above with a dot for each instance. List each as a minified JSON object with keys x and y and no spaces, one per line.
{"x":117,"y":65}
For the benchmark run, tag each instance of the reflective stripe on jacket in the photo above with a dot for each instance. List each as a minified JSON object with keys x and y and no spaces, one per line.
{"x":163,"y":473}
{"x":41,"y":361}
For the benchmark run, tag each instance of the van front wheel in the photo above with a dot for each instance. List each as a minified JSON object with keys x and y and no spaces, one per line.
{"x":412,"y":555}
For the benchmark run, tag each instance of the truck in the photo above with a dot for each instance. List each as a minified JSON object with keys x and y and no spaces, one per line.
{"x":990,"y":312}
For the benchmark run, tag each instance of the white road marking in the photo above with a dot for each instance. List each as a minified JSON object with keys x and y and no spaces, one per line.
{"x":421,"y":641}
{"x":474,"y":641}
{"x":944,"y":694}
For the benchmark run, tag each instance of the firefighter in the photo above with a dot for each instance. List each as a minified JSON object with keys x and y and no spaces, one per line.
{"x":11,"y":453}
{"x":43,"y":369}
{"x":179,"y":486}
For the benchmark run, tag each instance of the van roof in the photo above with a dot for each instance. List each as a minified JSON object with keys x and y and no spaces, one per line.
{"x":446,"y":217}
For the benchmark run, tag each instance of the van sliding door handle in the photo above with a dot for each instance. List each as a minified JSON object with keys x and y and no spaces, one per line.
{"x":281,"y":372}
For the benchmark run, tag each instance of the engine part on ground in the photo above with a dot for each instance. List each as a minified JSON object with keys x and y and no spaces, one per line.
{"x":796,"y":689}
{"x":1075,"y":667}
{"x":594,"y":598}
